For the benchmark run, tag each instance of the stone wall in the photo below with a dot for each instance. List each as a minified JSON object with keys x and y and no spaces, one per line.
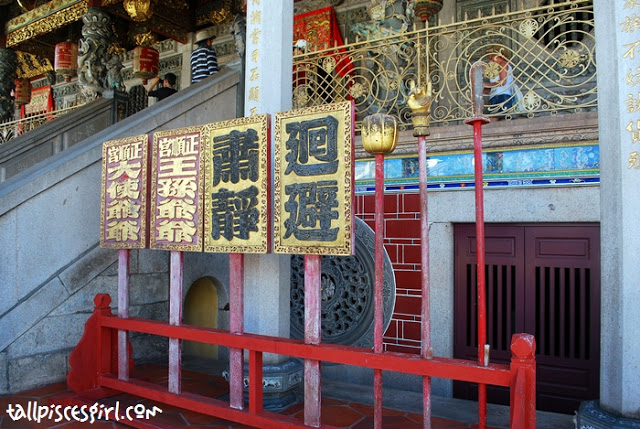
{"x":50,"y":263}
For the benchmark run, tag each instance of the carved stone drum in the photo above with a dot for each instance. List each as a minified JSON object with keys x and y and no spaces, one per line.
{"x":347,"y":293}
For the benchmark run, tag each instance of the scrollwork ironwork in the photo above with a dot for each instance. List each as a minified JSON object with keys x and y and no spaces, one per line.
{"x":551,"y":50}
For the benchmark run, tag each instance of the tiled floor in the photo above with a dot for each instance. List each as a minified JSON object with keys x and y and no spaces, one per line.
{"x":334,"y":412}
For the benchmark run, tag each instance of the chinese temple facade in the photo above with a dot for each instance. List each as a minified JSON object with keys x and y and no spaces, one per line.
{"x":559,"y":165}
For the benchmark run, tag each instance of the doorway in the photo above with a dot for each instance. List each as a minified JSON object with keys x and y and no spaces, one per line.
{"x":542,"y":279}
{"x":201,"y":309}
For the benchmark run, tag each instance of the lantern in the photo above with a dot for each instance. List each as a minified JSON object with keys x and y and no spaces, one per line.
{"x":425,"y":9}
{"x":66,"y":60}
{"x":145,"y":63}
{"x":22,"y":92}
{"x":139,"y":10}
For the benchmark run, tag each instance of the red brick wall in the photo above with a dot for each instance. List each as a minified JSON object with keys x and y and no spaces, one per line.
{"x":402,"y":242}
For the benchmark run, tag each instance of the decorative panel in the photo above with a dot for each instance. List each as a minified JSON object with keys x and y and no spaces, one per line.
{"x":313,"y":182}
{"x":237,"y":177}
{"x":123,"y":215}
{"x":176,"y":185}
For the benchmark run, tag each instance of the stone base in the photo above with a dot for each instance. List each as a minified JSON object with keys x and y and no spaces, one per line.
{"x":282,"y":384}
{"x":591,"y":416}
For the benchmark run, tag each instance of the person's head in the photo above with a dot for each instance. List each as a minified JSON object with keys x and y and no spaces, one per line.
{"x":498,"y":54}
{"x":169,"y":79}
{"x":300,"y":47}
{"x":205,"y":37}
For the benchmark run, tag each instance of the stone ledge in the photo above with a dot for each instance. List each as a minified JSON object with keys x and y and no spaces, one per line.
{"x":591,"y":416}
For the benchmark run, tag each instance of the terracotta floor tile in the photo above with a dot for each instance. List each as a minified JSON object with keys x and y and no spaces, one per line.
{"x":389,"y":422}
{"x":341,"y":416}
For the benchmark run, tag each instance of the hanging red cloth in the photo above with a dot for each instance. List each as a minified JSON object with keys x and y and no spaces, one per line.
{"x":321,"y":31}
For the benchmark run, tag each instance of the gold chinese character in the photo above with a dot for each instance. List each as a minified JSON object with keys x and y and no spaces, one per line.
{"x":632,"y":78}
{"x":634,"y":157}
{"x":256,"y":17}
{"x":254,"y":93}
{"x":123,"y":209}
{"x":629,"y":4}
{"x":126,"y":152}
{"x":179,"y":166}
{"x":176,"y":231}
{"x":123,"y":231}
{"x":255,"y":74}
{"x":632,"y":50}
{"x":124,"y":168}
{"x":633,"y":104}
{"x":255,"y":36}
{"x":177,"y":188}
{"x":125,"y":189}
{"x":172,"y":208}
{"x":179,"y":145}
{"x":630,"y":24}
{"x":635,"y":133}
{"x":253,"y":111}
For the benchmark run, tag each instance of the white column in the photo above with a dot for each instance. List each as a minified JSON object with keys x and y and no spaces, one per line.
{"x":268,"y":82}
{"x":618,"y":56}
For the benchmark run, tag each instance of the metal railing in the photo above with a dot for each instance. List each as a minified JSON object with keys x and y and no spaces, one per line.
{"x":551,"y":50}
{"x":12,"y":129}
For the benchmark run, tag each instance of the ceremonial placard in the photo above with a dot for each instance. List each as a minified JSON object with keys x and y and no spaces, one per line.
{"x":237,"y":179}
{"x":313,"y":180}
{"x":176,"y":190}
{"x":123,"y":215}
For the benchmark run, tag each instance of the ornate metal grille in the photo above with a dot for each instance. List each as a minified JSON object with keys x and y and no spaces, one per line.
{"x":551,"y":51}
{"x":12,"y":129}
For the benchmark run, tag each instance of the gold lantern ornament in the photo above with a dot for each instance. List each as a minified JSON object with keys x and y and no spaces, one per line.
{"x":379,"y":133}
{"x":425,"y":9}
{"x":66,"y":60}
{"x":22,"y":92}
{"x":139,"y":10}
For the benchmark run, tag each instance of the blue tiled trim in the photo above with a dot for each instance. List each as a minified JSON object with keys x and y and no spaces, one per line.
{"x":565,"y":165}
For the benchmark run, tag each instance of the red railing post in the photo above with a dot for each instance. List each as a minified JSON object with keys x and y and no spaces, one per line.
{"x":94,"y":354}
{"x":523,"y":381}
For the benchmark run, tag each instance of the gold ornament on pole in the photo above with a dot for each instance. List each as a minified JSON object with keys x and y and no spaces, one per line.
{"x":420,"y":99}
{"x":379,"y":133}
{"x":139,"y":10}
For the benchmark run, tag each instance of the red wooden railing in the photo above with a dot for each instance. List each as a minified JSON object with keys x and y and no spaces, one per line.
{"x":93,"y":365}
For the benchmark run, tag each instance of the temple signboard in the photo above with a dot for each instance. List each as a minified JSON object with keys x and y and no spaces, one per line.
{"x":123,"y":215}
{"x":176,"y":190}
{"x":313,"y":180}
{"x":237,"y":177}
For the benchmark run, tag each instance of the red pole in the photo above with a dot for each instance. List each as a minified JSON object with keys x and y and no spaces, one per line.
{"x":175,"y":318}
{"x":378,"y":287}
{"x":312,"y":335}
{"x":477,"y":120}
{"x":480,"y":252}
{"x":123,"y":311}
{"x":424,"y":258}
{"x":236,"y":326}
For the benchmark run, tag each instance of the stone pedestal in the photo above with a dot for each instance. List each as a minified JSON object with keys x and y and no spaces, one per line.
{"x":591,"y":416}
{"x":282,"y":384}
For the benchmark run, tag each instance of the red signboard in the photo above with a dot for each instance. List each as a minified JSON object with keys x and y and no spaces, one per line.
{"x":123,"y":217}
{"x":176,"y":186}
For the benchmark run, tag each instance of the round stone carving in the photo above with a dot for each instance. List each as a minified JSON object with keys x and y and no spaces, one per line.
{"x":347,"y":284}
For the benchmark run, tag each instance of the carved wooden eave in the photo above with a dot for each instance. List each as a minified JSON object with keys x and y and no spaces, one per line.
{"x":42,"y":20}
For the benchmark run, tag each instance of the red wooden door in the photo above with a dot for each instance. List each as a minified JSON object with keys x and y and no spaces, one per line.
{"x":543,"y":280}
